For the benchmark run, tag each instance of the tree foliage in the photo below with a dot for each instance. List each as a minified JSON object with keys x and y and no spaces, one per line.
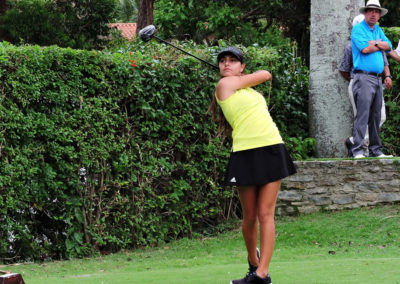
{"x":392,"y":18}
{"x":128,"y":10}
{"x":76,"y":24}
{"x":3,"y":9}
{"x":242,"y":22}
{"x":245,"y":22}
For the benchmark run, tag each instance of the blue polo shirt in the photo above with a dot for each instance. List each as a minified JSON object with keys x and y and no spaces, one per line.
{"x":360,"y":35}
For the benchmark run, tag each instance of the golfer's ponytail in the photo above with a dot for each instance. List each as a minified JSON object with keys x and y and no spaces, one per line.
{"x":224,"y":129}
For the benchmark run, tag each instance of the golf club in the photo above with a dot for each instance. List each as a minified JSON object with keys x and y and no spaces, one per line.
{"x":148,"y":32}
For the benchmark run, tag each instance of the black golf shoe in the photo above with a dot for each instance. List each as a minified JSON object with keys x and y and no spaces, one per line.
{"x":253,"y":278}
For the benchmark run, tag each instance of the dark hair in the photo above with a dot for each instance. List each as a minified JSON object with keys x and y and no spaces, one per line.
{"x":224,"y":128}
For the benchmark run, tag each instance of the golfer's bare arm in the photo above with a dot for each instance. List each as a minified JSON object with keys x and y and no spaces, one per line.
{"x":228,"y":85}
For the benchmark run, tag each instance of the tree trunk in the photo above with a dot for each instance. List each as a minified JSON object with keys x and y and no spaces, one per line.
{"x":145,"y":16}
{"x":330,"y":111}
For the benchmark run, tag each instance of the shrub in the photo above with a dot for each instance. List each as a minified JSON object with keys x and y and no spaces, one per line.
{"x":391,"y":128}
{"x":108,"y":150}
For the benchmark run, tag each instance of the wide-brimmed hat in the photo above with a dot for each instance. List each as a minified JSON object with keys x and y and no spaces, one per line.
{"x":374,"y":4}
{"x":231,"y":50}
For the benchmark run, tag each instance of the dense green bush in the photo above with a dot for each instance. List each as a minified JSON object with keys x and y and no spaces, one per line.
{"x":391,"y":128}
{"x":107,"y":150}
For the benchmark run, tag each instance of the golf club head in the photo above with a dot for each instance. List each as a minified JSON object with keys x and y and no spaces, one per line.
{"x":147,"y":32}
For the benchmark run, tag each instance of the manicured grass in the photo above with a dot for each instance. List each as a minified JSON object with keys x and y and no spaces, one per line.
{"x":357,"y":246}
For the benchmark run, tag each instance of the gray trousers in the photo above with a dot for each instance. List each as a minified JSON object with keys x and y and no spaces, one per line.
{"x":368,"y":94}
{"x":353,"y":104}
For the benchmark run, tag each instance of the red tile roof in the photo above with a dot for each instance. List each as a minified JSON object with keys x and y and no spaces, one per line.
{"x":128,"y":30}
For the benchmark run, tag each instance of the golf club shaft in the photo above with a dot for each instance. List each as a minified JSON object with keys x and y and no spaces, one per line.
{"x":202,"y":60}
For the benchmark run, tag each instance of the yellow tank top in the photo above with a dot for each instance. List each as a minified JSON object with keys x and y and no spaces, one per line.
{"x":247,"y":112}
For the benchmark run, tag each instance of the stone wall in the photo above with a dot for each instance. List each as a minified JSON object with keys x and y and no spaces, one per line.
{"x":339,"y":184}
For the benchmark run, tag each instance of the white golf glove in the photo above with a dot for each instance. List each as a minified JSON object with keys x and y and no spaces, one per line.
{"x":398,"y":49}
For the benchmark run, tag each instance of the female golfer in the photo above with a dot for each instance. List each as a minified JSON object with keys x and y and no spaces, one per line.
{"x":259,"y":159}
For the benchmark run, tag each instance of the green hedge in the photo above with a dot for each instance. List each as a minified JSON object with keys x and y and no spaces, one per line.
{"x":99,"y":153}
{"x":391,"y":128}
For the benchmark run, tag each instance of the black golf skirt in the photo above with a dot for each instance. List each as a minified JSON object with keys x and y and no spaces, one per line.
{"x":259,"y":166}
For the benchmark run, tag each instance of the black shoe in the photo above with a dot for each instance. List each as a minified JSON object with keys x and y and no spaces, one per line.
{"x":348,"y":144}
{"x":253,"y":268}
{"x":253,"y":278}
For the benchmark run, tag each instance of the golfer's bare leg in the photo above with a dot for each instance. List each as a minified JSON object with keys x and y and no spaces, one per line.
{"x":267,"y":197}
{"x":248,"y":200}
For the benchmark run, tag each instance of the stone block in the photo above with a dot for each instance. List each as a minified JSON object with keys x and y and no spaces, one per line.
{"x":366,"y":196}
{"x":367,"y":177}
{"x":352,"y":177}
{"x":291,"y":195}
{"x":389,"y":175}
{"x":333,"y":207}
{"x":328,"y":164}
{"x":386,"y":161}
{"x":308,"y":209}
{"x":346,"y":188}
{"x":317,"y":190}
{"x":291,"y":210}
{"x":395,"y":183}
{"x":375,"y":169}
{"x":344,"y":199}
{"x":321,"y":200}
{"x":293,"y":185}
{"x":280,"y":211}
{"x":327,"y":180}
{"x":362,"y":203}
{"x":385,"y":186}
{"x":300,"y":204}
{"x":366,"y":187}
{"x":389,"y":197}
{"x":351,"y":206}
{"x":300,"y":178}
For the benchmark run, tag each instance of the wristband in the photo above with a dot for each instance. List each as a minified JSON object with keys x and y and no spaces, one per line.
{"x":388,"y":76}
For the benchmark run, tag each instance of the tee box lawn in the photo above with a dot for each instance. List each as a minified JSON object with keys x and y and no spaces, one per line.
{"x":356,"y":246}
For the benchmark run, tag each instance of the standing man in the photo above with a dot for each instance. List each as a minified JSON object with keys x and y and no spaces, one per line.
{"x":368,"y":41}
{"x":346,"y":70}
